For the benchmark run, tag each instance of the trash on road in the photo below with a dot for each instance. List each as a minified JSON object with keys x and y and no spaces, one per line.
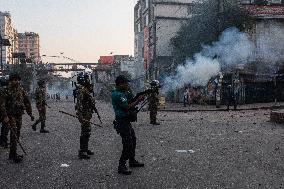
{"x":185,"y":151}
{"x":64,"y":165}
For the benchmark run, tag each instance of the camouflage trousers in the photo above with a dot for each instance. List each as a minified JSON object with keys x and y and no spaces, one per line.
{"x":42,"y":116}
{"x":15,"y":123}
{"x":153,"y":115}
{"x":4,"y":134}
{"x":85,"y":133}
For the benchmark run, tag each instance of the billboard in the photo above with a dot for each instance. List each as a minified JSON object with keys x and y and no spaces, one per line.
{"x":106,"y":60}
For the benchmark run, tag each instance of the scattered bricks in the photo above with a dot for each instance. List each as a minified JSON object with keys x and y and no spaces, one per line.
{"x":277,"y":116}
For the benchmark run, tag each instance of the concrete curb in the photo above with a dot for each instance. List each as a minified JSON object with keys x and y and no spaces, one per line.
{"x":219,"y":110}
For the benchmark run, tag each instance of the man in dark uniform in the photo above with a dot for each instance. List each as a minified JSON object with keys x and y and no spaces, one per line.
{"x":123,"y":105}
{"x":85,"y":107}
{"x":154,"y":102}
{"x":40,"y":96}
{"x":231,"y":97}
{"x":12,"y":108}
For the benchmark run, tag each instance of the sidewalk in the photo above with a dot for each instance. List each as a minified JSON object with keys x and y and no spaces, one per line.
{"x":178,"y":107}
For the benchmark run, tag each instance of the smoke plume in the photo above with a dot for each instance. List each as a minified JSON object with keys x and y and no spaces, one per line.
{"x":232,"y":48}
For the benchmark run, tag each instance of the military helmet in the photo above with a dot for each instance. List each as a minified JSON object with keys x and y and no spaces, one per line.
{"x":155,"y":83}
{"x":13,"y":76}
{"x":41,"y":82}
{"x":83,"y":79}
{"x":121,"y":79}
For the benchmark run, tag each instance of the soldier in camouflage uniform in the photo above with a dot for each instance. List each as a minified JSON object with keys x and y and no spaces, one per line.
{"x":85,"y":107}
{"x":154,"y":102}
{"x":15,"y":100}
{"x":40,"y":96}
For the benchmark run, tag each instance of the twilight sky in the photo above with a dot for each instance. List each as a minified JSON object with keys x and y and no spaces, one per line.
{"x":82,"y":29}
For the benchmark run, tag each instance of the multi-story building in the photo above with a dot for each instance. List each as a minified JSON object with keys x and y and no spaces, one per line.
{"x":8,"y":34}
{"x":29,"y":44}
{"x":267,"y":31}
{"x":156,"y":22}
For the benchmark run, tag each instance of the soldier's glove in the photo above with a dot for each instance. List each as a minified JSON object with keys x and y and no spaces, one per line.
{"x":32,"y":117}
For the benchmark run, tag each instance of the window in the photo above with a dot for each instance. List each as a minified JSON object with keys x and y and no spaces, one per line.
{"x":139,"y":27}
{"x":138,"y":12}
{"x":146,"y":19}
{"x":147,"y":4}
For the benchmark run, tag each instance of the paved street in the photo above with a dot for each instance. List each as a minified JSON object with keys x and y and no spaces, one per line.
{"x":235,"y":149}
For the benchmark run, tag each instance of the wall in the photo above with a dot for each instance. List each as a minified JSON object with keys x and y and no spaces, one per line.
{"x":166,"y":29}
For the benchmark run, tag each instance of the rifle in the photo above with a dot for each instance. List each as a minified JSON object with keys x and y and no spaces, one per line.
{"x":146,"y":92}
{"x":47,"y":105}
{"x":66,"y":113}
{"x":16,"y":137}
{"x":96,"y":110}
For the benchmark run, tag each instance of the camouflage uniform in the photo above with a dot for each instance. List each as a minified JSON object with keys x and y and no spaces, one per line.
{"x":153,"y":107}
{"x":85,"y":107}
{"x":40,"y":95}
{"x":15,"y":101}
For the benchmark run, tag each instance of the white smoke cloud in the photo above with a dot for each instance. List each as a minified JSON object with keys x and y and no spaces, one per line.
{"x":196,"y":72}
{"x":269,"y":44}
{"x":232,"y":48}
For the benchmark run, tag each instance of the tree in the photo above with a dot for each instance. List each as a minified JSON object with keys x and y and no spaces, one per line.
{"x":206,"y":25}
{"x":26,"y":74}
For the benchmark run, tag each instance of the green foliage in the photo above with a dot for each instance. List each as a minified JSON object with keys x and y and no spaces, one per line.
{"x":206,"y":25}
{"x":26,"y":74}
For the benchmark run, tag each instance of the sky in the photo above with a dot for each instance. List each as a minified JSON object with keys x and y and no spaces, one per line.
{"x":82,"y":29}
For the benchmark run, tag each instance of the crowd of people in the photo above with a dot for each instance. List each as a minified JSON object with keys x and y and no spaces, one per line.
{"x":14,"y":101}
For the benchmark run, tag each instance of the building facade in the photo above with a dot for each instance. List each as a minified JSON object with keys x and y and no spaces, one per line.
{"x":29,"y":44}
{"x":8,"y":33}
{"x":156,"y":22}
{"x":267,"y":31}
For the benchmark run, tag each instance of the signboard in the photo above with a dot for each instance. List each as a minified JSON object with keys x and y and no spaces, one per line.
{"x":265,"y":10}
{"x":106,"y":60}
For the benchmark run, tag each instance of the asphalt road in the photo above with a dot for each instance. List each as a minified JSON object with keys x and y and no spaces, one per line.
{"x":188,"y":150}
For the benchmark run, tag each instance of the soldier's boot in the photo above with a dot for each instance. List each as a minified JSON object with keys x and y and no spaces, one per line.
{"x":42,"y":130}
{"x":34,"y":125}
{"x":89,"y":152}
{"x":154,"y":122}
{"x":122,"y":169}
{"x":135,"y":163}
{"x":83,"y":155}
{"x":3,"y":142}
{"x":15,"y":157}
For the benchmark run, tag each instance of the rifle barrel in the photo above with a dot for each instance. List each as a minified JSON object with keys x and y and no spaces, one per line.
{"x":66,"y":113}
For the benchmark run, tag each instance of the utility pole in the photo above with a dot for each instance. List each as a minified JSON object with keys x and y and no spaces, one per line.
{"x":155,"y":48}
{"x":154,"y":63}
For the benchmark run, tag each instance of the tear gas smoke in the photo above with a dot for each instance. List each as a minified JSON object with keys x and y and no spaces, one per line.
{"x":232,"y":48}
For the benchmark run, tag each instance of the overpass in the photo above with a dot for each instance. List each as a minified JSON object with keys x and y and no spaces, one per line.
{"x":67,"y":67}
